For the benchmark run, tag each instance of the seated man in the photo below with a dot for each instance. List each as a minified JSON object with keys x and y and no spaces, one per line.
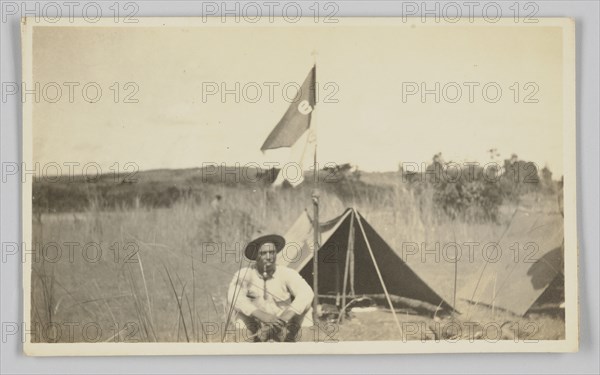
{"x":270,"y":301}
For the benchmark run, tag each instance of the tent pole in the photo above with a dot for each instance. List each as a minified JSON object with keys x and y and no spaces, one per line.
{"x":468,"y":314}
{"x":351,"y":269}
{"x":337,"y":281}
{"x":348,"y":250}
{"x":455,"y":266}
{"x":351,"y":266}
{"x":387,"y":295}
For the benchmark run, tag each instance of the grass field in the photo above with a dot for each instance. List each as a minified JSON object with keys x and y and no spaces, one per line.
{"x":161,"y":274}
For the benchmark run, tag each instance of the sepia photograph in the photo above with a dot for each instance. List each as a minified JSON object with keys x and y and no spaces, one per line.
{"x":371,"y":185}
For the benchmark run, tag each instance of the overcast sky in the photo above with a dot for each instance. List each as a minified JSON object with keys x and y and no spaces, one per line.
{"x":369,"y":126}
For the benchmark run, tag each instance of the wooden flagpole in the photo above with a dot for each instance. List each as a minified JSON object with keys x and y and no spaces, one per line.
{"x":315,"y":200}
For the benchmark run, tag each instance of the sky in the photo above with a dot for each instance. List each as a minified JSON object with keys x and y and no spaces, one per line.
{"x":362,"y":73}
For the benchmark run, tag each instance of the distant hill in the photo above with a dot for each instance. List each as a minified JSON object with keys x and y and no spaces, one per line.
{"x":163,"y":187}
{"x":473,"y":196}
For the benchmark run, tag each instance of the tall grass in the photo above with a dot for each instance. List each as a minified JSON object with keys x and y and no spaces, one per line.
{"x":158,"y":270}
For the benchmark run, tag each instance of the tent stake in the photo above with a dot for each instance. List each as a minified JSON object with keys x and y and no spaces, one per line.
{"x":387,"y":295}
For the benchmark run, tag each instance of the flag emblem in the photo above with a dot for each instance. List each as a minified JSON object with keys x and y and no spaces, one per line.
{"x":296,"y":119}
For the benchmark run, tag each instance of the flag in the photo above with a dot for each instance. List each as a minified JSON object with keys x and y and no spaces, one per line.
{"x":293,"y":131}
{"x":296,"y":119}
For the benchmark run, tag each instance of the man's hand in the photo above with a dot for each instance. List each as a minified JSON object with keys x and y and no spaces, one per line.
{"x":287,"y":315}
{"x":269,"y":319}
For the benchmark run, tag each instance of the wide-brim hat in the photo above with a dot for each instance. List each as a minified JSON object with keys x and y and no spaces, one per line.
{"x":251,"y":250}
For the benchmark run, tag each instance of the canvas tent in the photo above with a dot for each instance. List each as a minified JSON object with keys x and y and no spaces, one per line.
{"x":529,"y":268}
{"x":354,"y":259}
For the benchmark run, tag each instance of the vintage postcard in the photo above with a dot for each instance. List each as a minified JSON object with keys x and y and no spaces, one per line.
{"x":370,"y":185}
